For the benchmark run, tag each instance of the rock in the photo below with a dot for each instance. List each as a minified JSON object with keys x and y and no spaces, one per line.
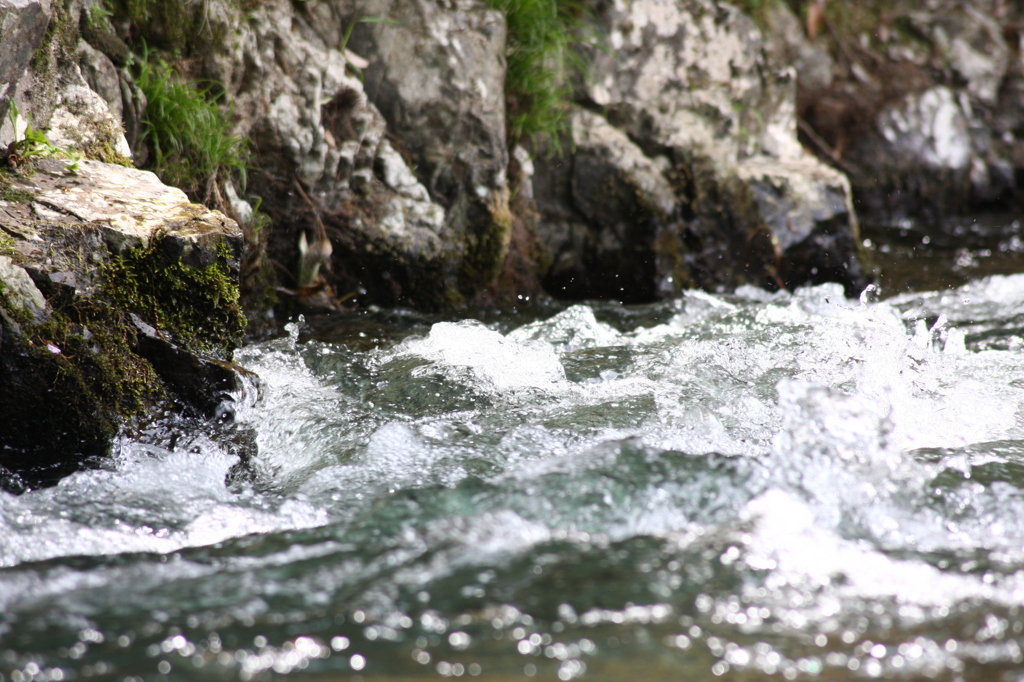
{"x":21,"y":296}
{"x":118,"y":294}
{"x":928,"y":128}
{"x":806,"y":206}
{"x":82,"y":121}
{"x":600,"y":213}
{"x":971,"y":42}
{"x":436,"y":72}
{"x":213,"y":387}
{"x":922,"y":110}
{"x":788,"y":46}
{"x":52,"y":95}
{"x":313,"y":124}
{"x":691,"y":175}
{"x":101,"y":75}
{"x":23,"y":25}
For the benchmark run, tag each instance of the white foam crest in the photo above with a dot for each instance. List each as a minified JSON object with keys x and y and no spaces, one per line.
{"x":572,"y":329}
{"x":299,"y":416}
{"x":150,"y":503}
{"x":994,"y":297}
{"x":818,"y":421}
{"x":798,"y":553}
{"x":498,"y":363}
{"x":395,"y":450}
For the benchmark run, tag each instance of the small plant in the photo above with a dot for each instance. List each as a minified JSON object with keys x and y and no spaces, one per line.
{"x":190,"y":138}
{"x":540,"y":58}
{"x":33,"y":143}
{"x":354,"y":62}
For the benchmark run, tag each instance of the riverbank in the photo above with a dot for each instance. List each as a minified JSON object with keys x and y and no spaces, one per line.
{"x":372,"y":153}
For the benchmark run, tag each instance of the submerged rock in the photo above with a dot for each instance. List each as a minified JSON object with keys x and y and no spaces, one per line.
{"x":116,"y":294}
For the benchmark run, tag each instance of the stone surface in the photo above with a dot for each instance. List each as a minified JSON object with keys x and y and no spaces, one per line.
{"x":407,"y":197}
{"x":436,"y":73}
{"x":692,"y":174}
{"x":116,"y":294}
{"x":20,"y":292}
{"x":102,"y":77}
{"x":922,"y":110}
{"x":22,"y":24}
{"x":928,"y":128}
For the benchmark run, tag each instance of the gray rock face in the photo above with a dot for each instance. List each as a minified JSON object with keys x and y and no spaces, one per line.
{"x":922,"y":111}
{"x":22,"y":25}
{"x":101,"y":75}
{"x":692,"y":174}
{"x":436,"y":73}
{"x":928,"y":128}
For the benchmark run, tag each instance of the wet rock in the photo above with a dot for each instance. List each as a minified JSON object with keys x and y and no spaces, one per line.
{"x":214,"y":388}
{"x":116,"y":295}
{"x":806,"y":208}
{"x":600,"y":213}
{"x":686,"y":170}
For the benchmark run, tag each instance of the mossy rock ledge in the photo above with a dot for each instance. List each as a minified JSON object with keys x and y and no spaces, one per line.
{"x":117,"y":296}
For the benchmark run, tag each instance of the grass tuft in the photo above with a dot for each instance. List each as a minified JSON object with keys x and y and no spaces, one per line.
{"x":540,"y":60}
{"x":190,"y":138}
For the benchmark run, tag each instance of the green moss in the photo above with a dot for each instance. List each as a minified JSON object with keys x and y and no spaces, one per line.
{"x":95,"y":343}
{"x":197,"y":307}
{"x":60,"y":43}
{"x":6,"y":249}
{"x":15,"y":194}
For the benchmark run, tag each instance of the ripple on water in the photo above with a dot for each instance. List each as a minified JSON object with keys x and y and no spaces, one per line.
{"x":758,"y":484}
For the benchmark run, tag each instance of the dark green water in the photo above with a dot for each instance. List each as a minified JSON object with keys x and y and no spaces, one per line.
{"x":748,"y":487}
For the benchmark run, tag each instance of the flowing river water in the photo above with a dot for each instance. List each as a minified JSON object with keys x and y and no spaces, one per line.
{"x":750,"y":486}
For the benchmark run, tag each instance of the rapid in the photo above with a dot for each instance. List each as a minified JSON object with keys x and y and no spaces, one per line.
{"x":747,"y":486}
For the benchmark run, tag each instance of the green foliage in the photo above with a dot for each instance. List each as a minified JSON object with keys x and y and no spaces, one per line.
{"x":189,"y":136}
{"x":32,"y":144}
{"x":6,"y":249}
{"x":540,"y":58}
{"x":16,"y":195}
{"x":97,"y":15}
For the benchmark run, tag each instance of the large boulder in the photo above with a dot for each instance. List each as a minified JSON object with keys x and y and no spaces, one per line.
{"x":406,"y":174}
{"x":116,"y":294}
{"x":920,"y":107}
{"x":437,"y":73}
{"x":685,"y":169}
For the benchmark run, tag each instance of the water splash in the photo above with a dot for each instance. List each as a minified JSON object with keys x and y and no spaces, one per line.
{"x":788,"y":484}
